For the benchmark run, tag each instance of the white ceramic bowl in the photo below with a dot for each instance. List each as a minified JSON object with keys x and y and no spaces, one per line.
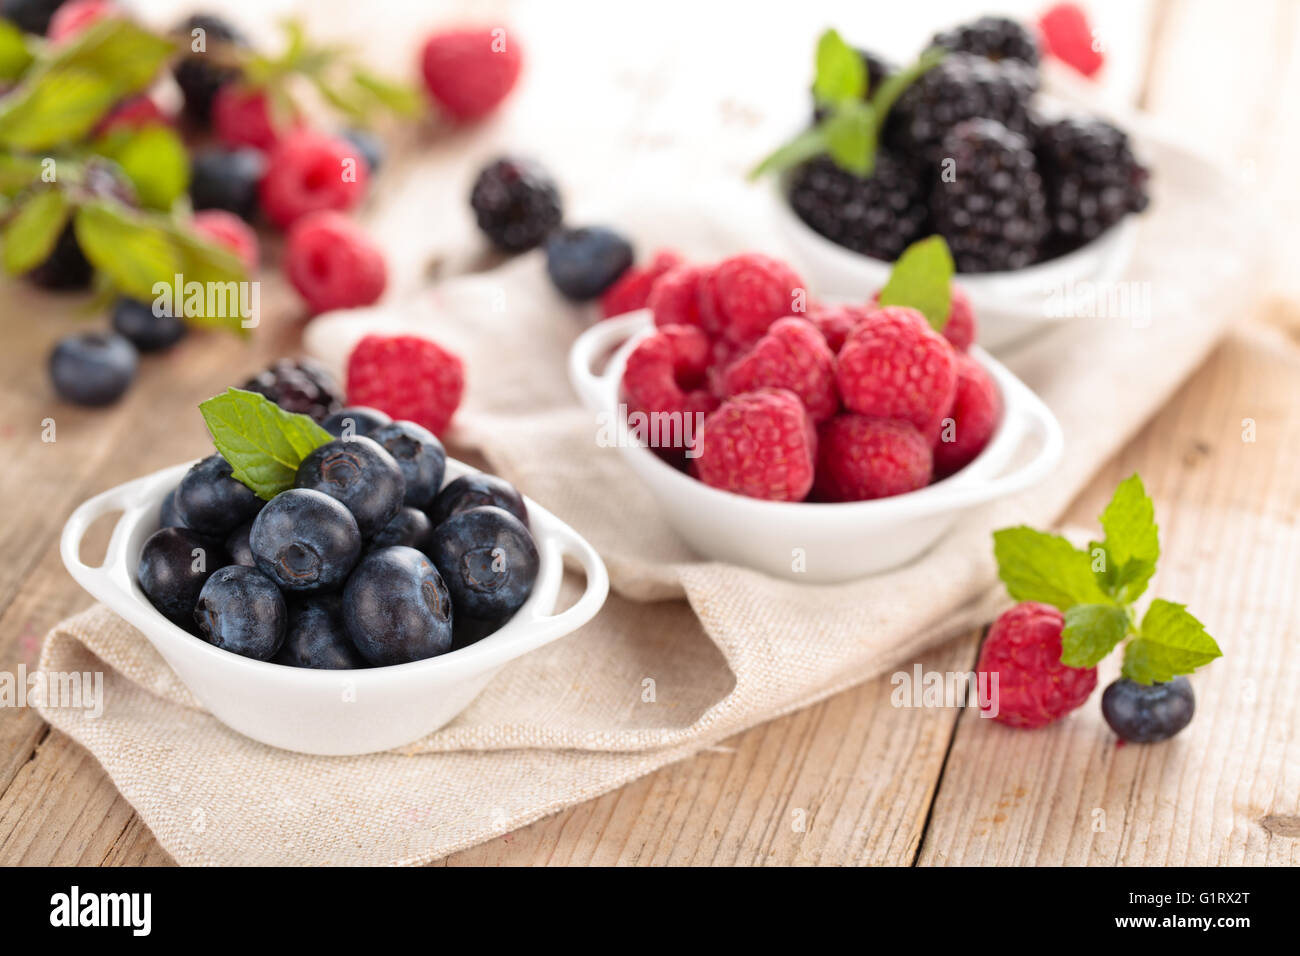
{"x":327,"y":711}
{"x":832,"y":542}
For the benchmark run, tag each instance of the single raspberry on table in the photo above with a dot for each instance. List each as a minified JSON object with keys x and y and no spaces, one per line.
{"x":894,"y":365}
{"x":1068,"y":37}
{"x":309,"y":172}
{"x":674,"y":299}
{"x":791,"y":355}
{"x":633,"y":288}
{"x":1034,"y":688}
{"x":241,"y":116}
{"x":665,"y":372}
{"x":835,"y":322}
{"x":333,"y":264}
{"x":741,"y":296}
{"x":760,"y":444}
{"x":860,"y":458}
{"x":469,"y":70}
{"x":970,"y":423}
{"x":408,"y":377}
{"x":228,"y":230}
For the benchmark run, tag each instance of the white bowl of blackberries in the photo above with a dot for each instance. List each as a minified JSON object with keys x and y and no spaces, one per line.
{"x":1032,"y":199}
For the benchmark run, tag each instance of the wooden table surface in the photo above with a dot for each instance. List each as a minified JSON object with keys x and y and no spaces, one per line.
{"x":609,"y":86}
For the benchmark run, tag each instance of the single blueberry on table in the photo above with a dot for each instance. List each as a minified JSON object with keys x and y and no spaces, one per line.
{"x":168,"y":516}
{"x":304,"y":540}
{"x":410,"y":527}
{"x":477,"y":490}
{"x":210,"y":501}
{"x":237,"y":547}
{"x":583,"y":263}
{"x":174,"y":565}
{"x":241,"y":610}
{"x":318,"y":637}
{"x":137,"y":322}
{"x":488,"y":559}
{"x":419,"y":454}
{"x":397,"y":608}
{"x":227,"y":179}
{"x":1148,"y":713}
{"x":354,"y":420}
{"x":92,"y":368}
{"x":361,"y":475}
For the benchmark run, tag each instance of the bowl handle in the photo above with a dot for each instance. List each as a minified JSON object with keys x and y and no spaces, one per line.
{"x":126,"y":498}
{"x":597,"y":342}
{"x":563,"y":541}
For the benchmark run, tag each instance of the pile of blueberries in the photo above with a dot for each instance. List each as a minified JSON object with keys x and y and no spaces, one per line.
{"x":367,"y":561}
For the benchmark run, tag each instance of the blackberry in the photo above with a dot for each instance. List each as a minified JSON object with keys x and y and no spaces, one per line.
{"x":299,"y":385}
{"x":30,"y":16}
{"x":993,"y":213}
{"x":877,"y":69}
{"x":200,"y":75}
{"x":961,"y":86}
{"x":66,"y":269}
{"x":516,"y":203}
{"x":1091,"y":177}
{"x":878,"y":216}
{"x":995,"y":38}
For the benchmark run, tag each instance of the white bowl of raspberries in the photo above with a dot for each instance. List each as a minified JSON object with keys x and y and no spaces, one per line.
{"x":819,"y":444}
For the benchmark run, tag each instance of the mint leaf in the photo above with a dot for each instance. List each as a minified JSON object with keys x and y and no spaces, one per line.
{"x":154,"y":159}
{"x":894,"y":85}
{"x":1091,"y":632}
{"x":263,"y":443}
{"x":120,"y":52}
{"x":809,"y":143}
{"x":62,"y":106}
{"x":851,"y":138}
{"x":922,"y":280}
{"x":125,"y":245}
{"x":1132,"y":539}
{"x":213,"y":267}
{"x":397,"y":97}
{"x":31,"y":234}
{"x":841,"y":74}
{"x":15,"y":57}
{"x":18,"y":172}
{"x":1170,"y":642}
{"x":1036,"y":566}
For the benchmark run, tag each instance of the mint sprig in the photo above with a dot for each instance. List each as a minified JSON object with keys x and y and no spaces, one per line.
{"x":1095,"y":589}
{"x":922,"y":279}
{"x":263,"y":443}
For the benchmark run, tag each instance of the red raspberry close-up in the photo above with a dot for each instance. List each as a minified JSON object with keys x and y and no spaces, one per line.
{"x":469,"y":71}
{"x":1068,"y":37}
{"x":632,"y":289}
{"x":860,"y":458}
{"x":241,"y":116}
{"x":960,"y":328}
{"x":974,"y":417}
{"x":894,"y":365}
{"x":741,"y":296}
{"x":1034,"y":688}
{"x":333,"y":263}
{"x":791,"y":355}
{"x":835,"y":322}
{"x":78,"y":15}
{"x":407,"y":377}
{"x":760,"y":444}
{"x":674,"y":299}
{"x":310,"y":172}
{"x":228,"y":230}
{"x":666,"y":372}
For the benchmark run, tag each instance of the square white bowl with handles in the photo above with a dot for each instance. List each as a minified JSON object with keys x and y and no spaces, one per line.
{"x":814,"y":542}
{"x":331,"y":712}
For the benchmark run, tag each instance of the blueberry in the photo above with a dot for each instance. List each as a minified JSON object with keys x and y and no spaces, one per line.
{"x":1148,"y":713}
{"x":411,"y":527}
{"x":174,"y":565}
{"x":489,"y":561}
{"x":583,"y":263}
{"x":354,"y":420}
{"x":305,"y":541}
{"x":241,"y":610}
{"x":168,"y":516}
{"x":147,"y":331}
{"x":318,"y":636}
{"x":397,"y":608}
{"x":209,"y":500}
{"x":477,"y":490}
{"x":93,"y":368}
{"x":360,"y":474}
{"x":420,"y":456}
{"x":369,"y":146}
{"x":67,"y":269}
{"x":237,"y":547}
{"x":227,"y":179}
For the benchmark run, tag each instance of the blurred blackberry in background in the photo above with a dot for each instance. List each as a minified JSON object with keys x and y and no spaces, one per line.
{"x":879,"y":216}
{"x":993,"y":214}
{"x":30,"y":16}
{"x":877,"y":69}
{"x":1091,"y":178}
{"x":996,"y":38}
{"x":516,"y":203}
{"x":299,"y":385}
{"x":66,"y":269}
{"x":200,"y":75}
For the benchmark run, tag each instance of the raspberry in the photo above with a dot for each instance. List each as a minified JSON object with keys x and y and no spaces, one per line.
{"x":665,"y":372}
{"x":959,"y":330}
{"x":894,"y":365}
{"x":835,"y":322}
{"x":1034,"y":688}
{"x":469,"y":71}
{"x":975,"y":413}
{"x":241,"y":116}
{"x":72,"y":18}
{"x":632,"y":290}
{"x":760,"y":444}
{"x":997,"y":38}
{"x":228,"y":230}
{"x":408,"y":377}
{"x":674,"y":300}
{"x":859,"y":458}
{"x":791,"y":355}
{"x":1068,"y":37}
{"x":333,"y":264}
{"x":721,"y":354}
{"x":741,"y":296}
{"x":308,"y":172}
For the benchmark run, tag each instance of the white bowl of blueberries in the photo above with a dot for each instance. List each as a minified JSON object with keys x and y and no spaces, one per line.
{"x":357,"y":601}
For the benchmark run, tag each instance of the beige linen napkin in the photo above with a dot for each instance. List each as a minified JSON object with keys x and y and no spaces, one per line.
{"x":571,"y":721}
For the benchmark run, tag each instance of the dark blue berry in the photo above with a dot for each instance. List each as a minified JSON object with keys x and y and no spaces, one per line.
{"x":146,"y":330}
{"x":489,"y":561}
{"x":168,"y":516}
{"x":237,"y":547}
{"x":241,"y":610}
{"x":361,"y":475}
{"x":369,"y":146}
{"x":30,"y":16}
{"x":174,"y":565}
{"x":1148,"y":713}
{"x":67,"y":269}
{"x":93,"y":368}
{"x":354,"y":420}
{"x":200,"y":75}
{"x":227,"y":179}
{"x":304,"y":540}
{"x":420,"y":456}
{"x":477,"y":490}
{"x":318,"y":636}
{"x":397,"y":607}
{"x":583,"y":263}
{"x":410,"y":527}
{"x":210,"y":501}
